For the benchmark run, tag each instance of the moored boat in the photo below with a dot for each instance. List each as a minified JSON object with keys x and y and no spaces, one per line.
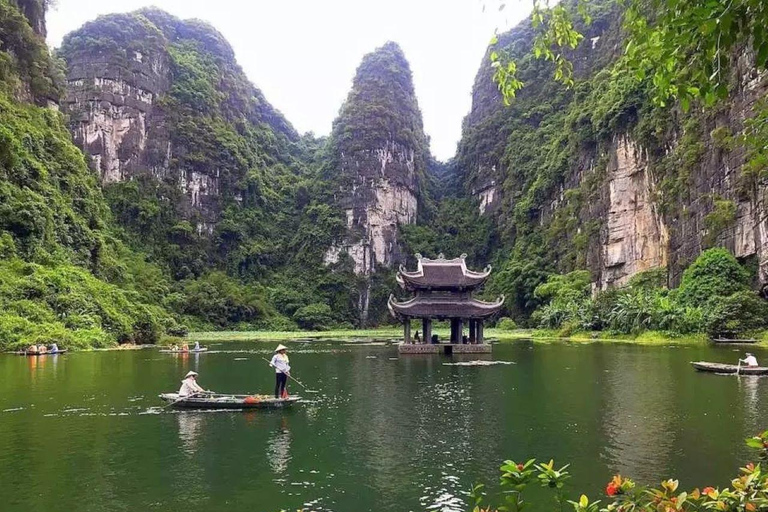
{"x":190,"y":351}
{"x":704,"y":366}
{"x":224,"y":401}
{"x":729,"y":341}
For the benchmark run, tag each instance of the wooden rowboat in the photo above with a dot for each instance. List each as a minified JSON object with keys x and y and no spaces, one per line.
{"x":25,"y":353}
{"x":728,"y":341}
{"x":221,"y":401}
{"x":190,"y":351}
{"x":704,"y":366}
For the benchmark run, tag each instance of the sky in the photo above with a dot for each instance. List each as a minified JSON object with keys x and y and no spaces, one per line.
{"x":303,"y":53}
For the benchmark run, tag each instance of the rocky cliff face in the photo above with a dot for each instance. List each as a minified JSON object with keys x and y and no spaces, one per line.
{"x":151,"y":95}
{"x":598,"y":177}
{"x":113,"y":93}
{"x":379,"y":157}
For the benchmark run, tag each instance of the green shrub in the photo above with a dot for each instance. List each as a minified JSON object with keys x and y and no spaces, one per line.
{"x":315,"y":316}
{"x":506,"y":324}
{"x":715,"y":273}
{"x":737,"y":314}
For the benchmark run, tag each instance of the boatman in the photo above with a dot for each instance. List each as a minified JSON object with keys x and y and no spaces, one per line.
{"x":189,"y":385}
{"x":750,"y":360}
{"x":282,"y":370}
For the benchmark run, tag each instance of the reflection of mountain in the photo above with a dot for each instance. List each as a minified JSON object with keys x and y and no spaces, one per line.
{"x":640,"y":413}
{"x":279,"y":449}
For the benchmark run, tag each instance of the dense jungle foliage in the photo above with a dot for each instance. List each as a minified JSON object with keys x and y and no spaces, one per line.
{"x":547,"y":151}
{"x":713,"y":297}
{"x":64,"y":274}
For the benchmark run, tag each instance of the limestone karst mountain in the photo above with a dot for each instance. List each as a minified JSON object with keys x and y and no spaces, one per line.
{"x":378,"y":164}
{"x":598,"y":177}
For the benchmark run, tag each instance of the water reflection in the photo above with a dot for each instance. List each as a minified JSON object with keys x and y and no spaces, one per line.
{"x":279,"y":448}
{"x":748,"y":387}
{"x":190,"y":428}
{"x":639,"y":415}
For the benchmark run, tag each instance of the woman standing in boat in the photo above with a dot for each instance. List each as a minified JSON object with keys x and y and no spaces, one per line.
{"x":282,"y":370}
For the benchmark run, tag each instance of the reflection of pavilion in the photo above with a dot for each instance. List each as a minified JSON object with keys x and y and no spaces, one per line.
{"x":443,"y":290}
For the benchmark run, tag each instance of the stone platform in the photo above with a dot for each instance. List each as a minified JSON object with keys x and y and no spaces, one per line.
{"x":443,"y":348}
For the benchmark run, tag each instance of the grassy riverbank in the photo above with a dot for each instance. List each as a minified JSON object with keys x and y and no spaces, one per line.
{"x":504,"y":336}
{"x":644,"y":338}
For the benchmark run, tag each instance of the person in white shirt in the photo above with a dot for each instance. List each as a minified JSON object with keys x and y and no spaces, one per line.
{"x":750,"y":360}
{"x":197,"y":345}
{"x":189,"y":385}
{"x":282,"y":370}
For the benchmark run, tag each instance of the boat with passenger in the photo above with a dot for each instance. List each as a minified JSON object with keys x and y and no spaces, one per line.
{"x":227,"y":401}
{"x":183,"y":351}
{"x":705,"y":366}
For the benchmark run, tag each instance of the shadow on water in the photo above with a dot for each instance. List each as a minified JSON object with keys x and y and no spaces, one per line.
{"x":383,"y":433}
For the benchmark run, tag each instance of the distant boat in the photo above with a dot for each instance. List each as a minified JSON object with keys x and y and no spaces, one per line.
{"x":222,"y":401}
{"x":179,"y":351}
{"x":48,"y":353}
{"x":704,"y":366}
{"x":733,"y":341}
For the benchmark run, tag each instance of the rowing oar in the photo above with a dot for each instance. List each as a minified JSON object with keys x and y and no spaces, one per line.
{"x":291,"y":377}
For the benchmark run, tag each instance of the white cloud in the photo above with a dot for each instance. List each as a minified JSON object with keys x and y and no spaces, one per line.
{"x":303,"y":53}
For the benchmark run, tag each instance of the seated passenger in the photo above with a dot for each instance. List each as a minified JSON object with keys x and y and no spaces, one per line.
{"x":750,"y":360}
{"x":189,"y":385}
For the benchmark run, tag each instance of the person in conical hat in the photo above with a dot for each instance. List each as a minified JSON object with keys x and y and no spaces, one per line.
{"x":189,"y":385}
{"x":282,"y":370}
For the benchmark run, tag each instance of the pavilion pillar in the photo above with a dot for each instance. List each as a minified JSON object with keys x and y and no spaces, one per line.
{"x":426,"y":329}
{"x":459,"y":330}
{"x":472,"y":331}
{"x":407,"y":330}
{"x":480,"y":331}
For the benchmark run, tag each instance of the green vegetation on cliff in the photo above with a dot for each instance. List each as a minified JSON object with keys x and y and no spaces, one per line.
{"x":64,"y":276}
{"x":547,"y":157}
{"x":247,"y":252}
{"x":714,"y":297}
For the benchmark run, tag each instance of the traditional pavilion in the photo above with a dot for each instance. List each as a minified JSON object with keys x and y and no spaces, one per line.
{"x":443,"y":290}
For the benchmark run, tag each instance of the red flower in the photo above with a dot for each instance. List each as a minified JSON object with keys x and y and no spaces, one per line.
{"x":708,"y":490}
{"x":611,"y":489}
{"x":520,"y":467}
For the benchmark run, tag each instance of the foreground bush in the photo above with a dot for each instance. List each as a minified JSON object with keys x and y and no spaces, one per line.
{"x":748,"y":491}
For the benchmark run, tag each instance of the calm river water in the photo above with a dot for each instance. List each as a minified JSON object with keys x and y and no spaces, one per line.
{"x":82,"y":432}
